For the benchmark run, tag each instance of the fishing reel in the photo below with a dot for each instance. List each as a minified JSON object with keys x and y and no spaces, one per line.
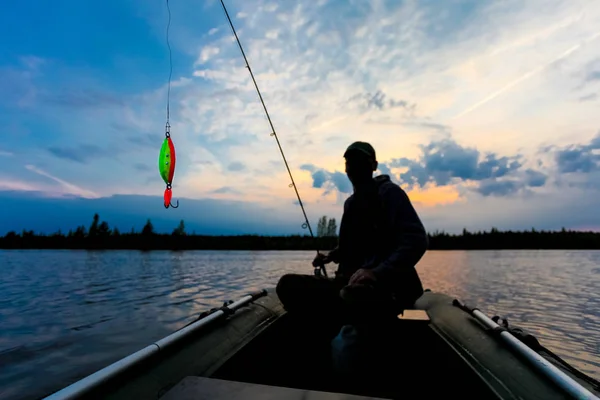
{"x":320,"y":270}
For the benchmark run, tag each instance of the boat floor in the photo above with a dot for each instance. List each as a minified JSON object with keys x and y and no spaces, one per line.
{"x":195,"y":388}
{"x":292,"y":353}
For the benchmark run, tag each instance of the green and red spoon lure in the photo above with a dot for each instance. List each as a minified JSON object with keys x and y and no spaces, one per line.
{"x":167,"y":159}
{"x":166,"y":166}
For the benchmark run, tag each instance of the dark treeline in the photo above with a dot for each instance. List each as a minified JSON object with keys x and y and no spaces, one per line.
{"x":100,"y":236}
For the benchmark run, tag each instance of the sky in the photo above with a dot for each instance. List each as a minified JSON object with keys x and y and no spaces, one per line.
{"x":484,"y":112}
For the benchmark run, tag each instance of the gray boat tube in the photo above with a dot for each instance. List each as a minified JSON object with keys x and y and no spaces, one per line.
{"x":83,"y":386}
{"x":564,"y":381}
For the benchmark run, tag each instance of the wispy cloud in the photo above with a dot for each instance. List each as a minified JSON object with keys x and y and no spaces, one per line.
{"x":226,"y":190}
{"x":84,"y":99}
{"x":11,"y":184}
{"x":379,"y":101}
{"x":528,"y":75}
{"x":142,"y":167}
{"x":82,"y":153}
{"x":236,"y":166}
{"x":66,"y":186}
{"x":588,"y":97}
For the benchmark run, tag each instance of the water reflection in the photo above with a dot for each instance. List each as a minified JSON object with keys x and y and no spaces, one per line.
{"x":65,"y":314}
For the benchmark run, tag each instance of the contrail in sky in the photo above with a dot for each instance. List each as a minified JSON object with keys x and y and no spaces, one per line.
{"x":524,"y":77}
{"x":73,"y":189}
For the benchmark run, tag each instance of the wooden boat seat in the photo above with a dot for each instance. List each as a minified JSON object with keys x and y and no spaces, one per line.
{"x":197,"y":388}
{"x":416,"y":316}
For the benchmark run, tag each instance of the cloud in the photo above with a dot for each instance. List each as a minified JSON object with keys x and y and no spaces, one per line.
{"x":323,"y":179}
{"x":236,"y":166}
{"x":82,"y":153}
{"x":588,"y":97}
{"x":226,"y":190}
{"x":494,"y":187}
{"x":535,"y":178}
{"x":14,"y":185}
{"x":445,"y":162}
{"x":378,"y":101}
{"x":434,"y":126}
{"x":142,"y":167}
{"x":551,"y":210}
{"x":145,"y":139}
{"x":84,"y":99}
{"x":206,"y":54}
{"x":4,"y":153}
{"x":66,"y":186}
{"x":510,"y":186}
{"x":579,"y":158}
{"x":526,"y":76}
{"x":32,"y":63}
{"x":577,"y":166}
{"x":593,"y":76}
{"x":17,"y":87}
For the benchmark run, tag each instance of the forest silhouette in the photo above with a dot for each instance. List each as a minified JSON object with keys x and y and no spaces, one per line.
{"x":99,"y":235}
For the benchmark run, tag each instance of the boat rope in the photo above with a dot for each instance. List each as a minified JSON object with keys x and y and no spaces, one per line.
{"x":306,"y":223}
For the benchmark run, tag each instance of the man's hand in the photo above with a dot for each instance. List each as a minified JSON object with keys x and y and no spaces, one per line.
{"x":362,"y":276}
{"x":321,"y":259}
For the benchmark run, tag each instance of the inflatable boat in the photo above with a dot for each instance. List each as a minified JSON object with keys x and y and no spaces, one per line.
{"x":253,"y":349}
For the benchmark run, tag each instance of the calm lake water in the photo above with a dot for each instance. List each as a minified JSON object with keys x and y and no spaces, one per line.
{"x":65,"y":314}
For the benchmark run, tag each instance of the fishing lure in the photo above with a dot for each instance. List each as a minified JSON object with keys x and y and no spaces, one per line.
{"x":166,"y":166}
{"x":167,"y":159}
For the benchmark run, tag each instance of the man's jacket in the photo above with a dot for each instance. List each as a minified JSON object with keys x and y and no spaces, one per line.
{"x":380,"y":230}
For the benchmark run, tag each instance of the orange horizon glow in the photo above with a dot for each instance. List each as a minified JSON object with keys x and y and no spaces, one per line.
{"x":434,"y":195}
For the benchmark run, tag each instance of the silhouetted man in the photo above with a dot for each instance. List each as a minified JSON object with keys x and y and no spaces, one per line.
{"x":381,"y":240}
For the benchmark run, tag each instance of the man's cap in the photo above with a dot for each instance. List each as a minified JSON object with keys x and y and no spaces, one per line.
{"x":362,"y":147}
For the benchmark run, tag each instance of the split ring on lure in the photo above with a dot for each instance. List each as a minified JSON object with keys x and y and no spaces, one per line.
{"x":166,"y":166}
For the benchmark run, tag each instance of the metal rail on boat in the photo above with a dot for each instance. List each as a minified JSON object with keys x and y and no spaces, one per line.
{"x":563,"y":380}
{"x":94,"y":380}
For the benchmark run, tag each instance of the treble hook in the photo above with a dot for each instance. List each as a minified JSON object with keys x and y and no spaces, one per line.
{"x":167,"y":198}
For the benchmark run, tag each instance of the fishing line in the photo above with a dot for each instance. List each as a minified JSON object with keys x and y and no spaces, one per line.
{"x":306,"y":223}
{"x":170,"y":64}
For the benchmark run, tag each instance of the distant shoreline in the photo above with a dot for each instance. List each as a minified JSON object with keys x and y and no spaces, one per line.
{"x":561,"y":240}
{"x":100,"y":237}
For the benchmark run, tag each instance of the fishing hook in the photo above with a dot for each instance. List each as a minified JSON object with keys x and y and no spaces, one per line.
{"x":167,"y":198}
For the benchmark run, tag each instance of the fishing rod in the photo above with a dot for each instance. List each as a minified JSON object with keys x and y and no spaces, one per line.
{"x":306,"y":223}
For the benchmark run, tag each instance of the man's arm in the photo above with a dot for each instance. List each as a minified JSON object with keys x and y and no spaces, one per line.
{"x":334,"y":255}
{"x":407,"y":232}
